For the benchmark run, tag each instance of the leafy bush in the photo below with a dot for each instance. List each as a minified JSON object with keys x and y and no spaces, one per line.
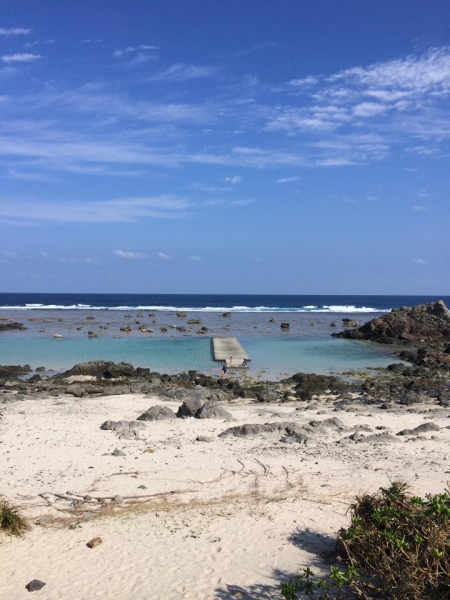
{"x":397,"y":547}
{"x":400,"y":544}
{"x":11,"y":521}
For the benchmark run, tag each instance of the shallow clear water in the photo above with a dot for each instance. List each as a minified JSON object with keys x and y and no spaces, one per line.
{"x":270,"y":357}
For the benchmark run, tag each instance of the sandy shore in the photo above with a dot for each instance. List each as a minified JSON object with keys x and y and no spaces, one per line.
{"x":229,"y":518}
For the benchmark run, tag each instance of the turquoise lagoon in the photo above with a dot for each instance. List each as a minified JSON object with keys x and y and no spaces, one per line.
{"x":270,"y":357}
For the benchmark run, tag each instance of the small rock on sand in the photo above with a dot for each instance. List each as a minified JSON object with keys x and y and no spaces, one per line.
{"x":35,"y":585}
{"x":94,"y":542}
{"x":118,"y":452}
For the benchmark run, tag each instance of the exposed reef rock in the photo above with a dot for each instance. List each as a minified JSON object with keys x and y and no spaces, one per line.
{"x":422,"y":324}
{"x":12,"y":325}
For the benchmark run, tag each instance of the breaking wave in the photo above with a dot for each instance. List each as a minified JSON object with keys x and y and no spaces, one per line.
{"x":220,"y":309}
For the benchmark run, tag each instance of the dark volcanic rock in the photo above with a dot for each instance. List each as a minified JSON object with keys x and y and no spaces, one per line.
{"x":190,"y":407}
{"x":212,"y":410}
{"x":157,"y":413}
{"x":11,"y":326}
{"x":95,"y":368}
{"x":13,"y":371}
{"x":107,"y":369}
{"x":119,"y":370}
{"x":425,"y":323}
{"x":310,"y":384}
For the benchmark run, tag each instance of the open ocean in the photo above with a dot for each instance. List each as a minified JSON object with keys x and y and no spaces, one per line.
{"x":308,"y":346}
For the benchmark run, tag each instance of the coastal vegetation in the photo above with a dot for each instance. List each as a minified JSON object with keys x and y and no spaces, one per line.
{"x":12,"y":522}
{"x":397,"y":546}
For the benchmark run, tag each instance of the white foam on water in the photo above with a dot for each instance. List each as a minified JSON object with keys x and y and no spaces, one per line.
{"x":236,"y":309}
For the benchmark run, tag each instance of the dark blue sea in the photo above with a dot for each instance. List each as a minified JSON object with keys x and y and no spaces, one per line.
{"x":58,"y":326}
{"x":212,"y":302}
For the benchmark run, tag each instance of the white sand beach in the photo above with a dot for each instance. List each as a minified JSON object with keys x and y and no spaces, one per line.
{"x":223,"y":518}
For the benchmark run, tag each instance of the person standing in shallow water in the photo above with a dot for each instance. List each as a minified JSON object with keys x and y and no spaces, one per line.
{"x":224,"y":369}
{"x":231,"y":360}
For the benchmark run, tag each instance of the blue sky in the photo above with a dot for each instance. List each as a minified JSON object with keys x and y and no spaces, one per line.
{"x":224,"y":147}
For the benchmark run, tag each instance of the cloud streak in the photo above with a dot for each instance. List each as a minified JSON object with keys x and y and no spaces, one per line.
{"x":14,"y":31}
{"x":20,"y":57}
{"x":129,"y":255}
{"x":124,"y":210}
{"x":183,"y":72}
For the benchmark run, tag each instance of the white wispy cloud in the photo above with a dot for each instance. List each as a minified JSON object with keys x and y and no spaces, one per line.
{"x":419,"y":207}
{"x":400,"y":100}
{"x":132,"y":49}
{"x":164,"y":256}
{"x":194,"y":257}
{"x":287,"y":179}
{"x":14,"y":31}
{"x":420,"y":261}
{"x":204,"y":187}
{"x":308,"y":81}
{"x":415,"y":73}
{"x":129,"y":255}
{"x":29,"y":176}
{"x":73,"y":261}
{"x":235,"y":179}
{"x":250,"y":157}
{"x":11,"y":255}
{"x":44,"y":254}
{"x":19,"y":57}
{"x":123,"y":210}
{"x":183,"y":72}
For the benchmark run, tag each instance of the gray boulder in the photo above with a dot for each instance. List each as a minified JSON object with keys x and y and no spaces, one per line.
{"x":75,"y":390}
{"x":426,"y":427}
{"x":212,"y":410}
{"x":158,"y":413}
{"x":190,"y":407}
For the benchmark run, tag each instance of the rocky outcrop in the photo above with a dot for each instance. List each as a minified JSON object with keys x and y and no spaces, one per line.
{"x":13,"y":371}
{"x":253,"y":429}
{"x":422,"y":324}
{"x":106,"y":369}
{"x":12,"y":326}
{"x":308,"y":385}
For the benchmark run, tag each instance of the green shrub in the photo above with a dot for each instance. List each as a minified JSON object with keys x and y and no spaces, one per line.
{"x":397,"y":547}
{"x":11,"y":521}
{"x":400,"y":544}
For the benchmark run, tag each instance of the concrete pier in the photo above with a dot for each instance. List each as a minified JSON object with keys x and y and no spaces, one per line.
{"x":224,"y":347}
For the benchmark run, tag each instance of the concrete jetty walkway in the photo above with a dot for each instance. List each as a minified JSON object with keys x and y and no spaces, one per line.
{"x":224,"y":347}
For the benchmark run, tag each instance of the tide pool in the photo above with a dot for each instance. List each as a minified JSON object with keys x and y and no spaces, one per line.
{"x":270,"y":357}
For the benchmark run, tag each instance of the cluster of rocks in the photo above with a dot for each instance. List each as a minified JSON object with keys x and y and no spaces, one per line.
{"x":423,"y":324}
{"x":191,"y":407}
